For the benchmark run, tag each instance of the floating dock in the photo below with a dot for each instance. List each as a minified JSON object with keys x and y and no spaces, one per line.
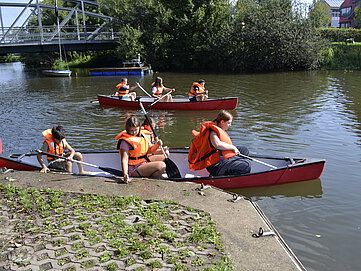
{"x":123,"y":71}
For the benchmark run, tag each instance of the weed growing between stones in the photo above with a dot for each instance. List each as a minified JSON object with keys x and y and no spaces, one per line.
{"x":109,"y":232}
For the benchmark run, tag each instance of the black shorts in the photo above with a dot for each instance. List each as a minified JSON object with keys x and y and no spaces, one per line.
{"x":193,"y":99}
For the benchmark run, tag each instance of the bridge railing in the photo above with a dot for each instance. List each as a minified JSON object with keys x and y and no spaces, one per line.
{"x":28,"y":34}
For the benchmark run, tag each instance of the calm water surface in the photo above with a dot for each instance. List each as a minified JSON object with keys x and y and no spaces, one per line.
{"x":301,"y":114}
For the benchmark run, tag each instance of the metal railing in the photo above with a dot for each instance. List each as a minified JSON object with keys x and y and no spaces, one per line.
{"x":27,"y":34}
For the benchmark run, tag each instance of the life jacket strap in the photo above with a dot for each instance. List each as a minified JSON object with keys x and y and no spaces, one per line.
{"x":204,"y":157}
{"x":139,"y":157}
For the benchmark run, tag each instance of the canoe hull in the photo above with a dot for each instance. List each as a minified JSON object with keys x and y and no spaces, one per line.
{"x":177,"y":104}
{"x":274,"y":177}
{"x":287,"y":171}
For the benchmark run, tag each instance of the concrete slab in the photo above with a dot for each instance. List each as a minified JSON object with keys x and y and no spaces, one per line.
{"x":237,"y":221}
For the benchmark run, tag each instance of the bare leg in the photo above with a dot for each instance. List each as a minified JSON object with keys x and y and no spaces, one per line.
{"x":132,"y":96}
{"x":78,"y":156}
{"x":151,"y":169}
{"x":201,"y":97}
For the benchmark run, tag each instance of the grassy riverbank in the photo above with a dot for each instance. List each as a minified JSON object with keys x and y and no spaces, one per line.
{"x":341,"y":56}
{"x":47,"y":228}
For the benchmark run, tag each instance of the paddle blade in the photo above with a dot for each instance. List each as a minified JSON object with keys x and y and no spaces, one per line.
{"x":112,"y":171}
{"x":171,"y":169}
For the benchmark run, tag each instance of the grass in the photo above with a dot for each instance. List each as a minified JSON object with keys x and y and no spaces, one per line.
{"x":76,"y":224}
{"x":341,"y":56}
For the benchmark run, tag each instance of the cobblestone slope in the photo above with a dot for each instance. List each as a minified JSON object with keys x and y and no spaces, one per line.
{"x":51,"y":230}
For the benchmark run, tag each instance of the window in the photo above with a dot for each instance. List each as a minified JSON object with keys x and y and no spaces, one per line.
{"x":345,"y":11}
{"x":335,"y":13}
{"x":345,"y":25}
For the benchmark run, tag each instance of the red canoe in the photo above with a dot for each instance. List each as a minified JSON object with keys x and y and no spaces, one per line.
{"x":179,"y":103}
{"x":272,"y":170}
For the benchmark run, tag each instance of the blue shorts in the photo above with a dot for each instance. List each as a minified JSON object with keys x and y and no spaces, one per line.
{"x":235,"y":165}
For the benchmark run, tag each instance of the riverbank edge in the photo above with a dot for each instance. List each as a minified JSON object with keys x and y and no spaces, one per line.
{"x":236,"y":221}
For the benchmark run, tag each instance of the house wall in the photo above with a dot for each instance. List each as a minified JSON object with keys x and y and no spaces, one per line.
{"x":347,"y":13}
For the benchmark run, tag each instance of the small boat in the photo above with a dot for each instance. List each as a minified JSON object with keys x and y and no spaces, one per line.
{"x":179,"y":103}
{"x":266,"y":170}
{"x":57,"y":73}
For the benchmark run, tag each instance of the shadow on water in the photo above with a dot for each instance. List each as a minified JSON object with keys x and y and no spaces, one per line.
{"x":305,"y":189}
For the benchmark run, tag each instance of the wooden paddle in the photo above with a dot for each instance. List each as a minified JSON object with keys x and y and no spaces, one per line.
{"x":113,"y":171}
{"x":144,"y":90}
{"x":171,"y":168}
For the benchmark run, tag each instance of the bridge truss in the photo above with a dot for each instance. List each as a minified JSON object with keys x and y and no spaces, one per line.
{"x":44,"y":38}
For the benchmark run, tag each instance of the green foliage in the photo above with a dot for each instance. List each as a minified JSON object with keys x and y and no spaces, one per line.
{"x":320,"y":14}
{"x":340,"y":35}
{"x":168,"y":34}
{"x":271,"y":35}
{"x":9,"y":58}
{"x":357,"y":16}
{"x":342,"y":57}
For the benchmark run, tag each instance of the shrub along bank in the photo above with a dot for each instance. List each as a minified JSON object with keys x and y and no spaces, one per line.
{"x":342,"y":57}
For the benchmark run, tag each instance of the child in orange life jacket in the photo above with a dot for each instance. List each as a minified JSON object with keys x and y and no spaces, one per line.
{"x":55,"y":143}
{"x":198,"y":92}
{"x":149,"y":132}
{"x":158,"y":88}
{"x":213,"y":149}
{"x":123,"y":91}
{"x":134,"y":148}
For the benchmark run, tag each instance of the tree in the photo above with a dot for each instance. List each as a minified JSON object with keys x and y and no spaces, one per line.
{"x":320,"y":14}
{"x":269,"y":35}
{"x":357,"y":17}
{"x":173,"y":34}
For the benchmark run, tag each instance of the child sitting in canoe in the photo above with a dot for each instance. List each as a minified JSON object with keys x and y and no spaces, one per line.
{"x":123,"y":91}
{"x":158,"y":88}
{"x":198,"y":92}
{"x":213,"y":149}
{"x":55,"y":143}
{"x":135,"y":148}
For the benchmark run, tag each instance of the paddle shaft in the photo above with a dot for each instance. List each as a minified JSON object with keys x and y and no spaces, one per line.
{"x":110,"y":170}
{"x":258,"y":161}
{"x":153,"y":103}
{"x":143,"y":90}
{"x":151,"y":126}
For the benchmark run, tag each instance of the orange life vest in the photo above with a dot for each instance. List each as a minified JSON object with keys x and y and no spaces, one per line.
{"x":159,"y":90}
{"x":193,"y":93}
{"x":140,"y":146}
{"x":53,"y":147}
{"x":201,"y":153}
{"x":148,"y":132}
{"x":123,"y":89}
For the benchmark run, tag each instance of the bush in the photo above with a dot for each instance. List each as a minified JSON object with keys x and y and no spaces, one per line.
{"x":340,"y":35}
{"x":341,"y":57}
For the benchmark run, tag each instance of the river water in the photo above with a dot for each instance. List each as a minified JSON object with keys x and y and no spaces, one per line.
{"x":300,"y":114}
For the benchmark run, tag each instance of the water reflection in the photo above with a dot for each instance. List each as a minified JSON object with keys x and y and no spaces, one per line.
{"x":305,"y":189}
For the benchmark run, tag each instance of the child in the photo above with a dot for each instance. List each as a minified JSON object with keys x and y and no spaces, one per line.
{"x":134,"y":148}
{"x":123,"y":91}
{"x":55,"y":143}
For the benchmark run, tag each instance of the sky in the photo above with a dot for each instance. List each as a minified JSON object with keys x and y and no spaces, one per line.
{"x":9,"y":14}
